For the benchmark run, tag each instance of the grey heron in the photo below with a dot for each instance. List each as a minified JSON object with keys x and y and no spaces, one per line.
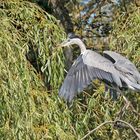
{"x":113,"y":69}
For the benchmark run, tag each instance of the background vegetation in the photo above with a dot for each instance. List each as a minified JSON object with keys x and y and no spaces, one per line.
{"x":32,"y":70}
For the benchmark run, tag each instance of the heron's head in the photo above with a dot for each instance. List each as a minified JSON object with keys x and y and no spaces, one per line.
{"x":72,"y":39}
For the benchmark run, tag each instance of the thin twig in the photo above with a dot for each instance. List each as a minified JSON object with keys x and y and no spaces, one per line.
{"x":133,"y":129}
{"x":96,"y":129}
{"x":137,"y":134}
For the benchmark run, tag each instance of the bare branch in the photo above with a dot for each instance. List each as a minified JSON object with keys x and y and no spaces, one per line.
{"x":112,"y":122}
{"x":137,"y":134}
{"x":96,"y":129}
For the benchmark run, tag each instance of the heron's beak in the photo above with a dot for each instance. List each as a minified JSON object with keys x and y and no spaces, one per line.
{"x":64,"y":43}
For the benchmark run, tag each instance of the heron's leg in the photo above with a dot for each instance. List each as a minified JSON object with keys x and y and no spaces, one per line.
{"x":114,"y":94}
{"x":106,"y":91}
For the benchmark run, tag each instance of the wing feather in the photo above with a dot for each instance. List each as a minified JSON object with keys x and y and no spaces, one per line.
{"x":125,"y":66}
{"x":72,"y":88}
{"x":81,"y":75}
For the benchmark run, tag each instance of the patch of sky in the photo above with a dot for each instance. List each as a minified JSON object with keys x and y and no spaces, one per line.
{"x":106,"y":10}
{"x":83,"y":2}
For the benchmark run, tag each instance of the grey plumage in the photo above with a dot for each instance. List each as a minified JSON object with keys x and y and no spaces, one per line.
{"x":128,"y":71}
{"x":91,"y":65}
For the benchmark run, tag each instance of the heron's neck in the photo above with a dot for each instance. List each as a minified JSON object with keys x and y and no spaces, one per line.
{"x":81,"y":45}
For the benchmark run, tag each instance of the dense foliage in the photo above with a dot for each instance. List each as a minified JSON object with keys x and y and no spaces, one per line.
{"x":32,"y":69}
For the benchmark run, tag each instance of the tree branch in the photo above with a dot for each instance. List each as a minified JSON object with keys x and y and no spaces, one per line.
{"x":112,"y":122}
{"x":96,"y":129}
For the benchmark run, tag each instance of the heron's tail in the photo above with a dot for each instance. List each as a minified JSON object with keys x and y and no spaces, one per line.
{"x":135,"y":86}
{"x":131,"y":85}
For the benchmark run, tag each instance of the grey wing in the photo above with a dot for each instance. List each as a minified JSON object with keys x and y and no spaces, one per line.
{"x":76,"y":80}
{"x":123,"y":65}
{"x":80,"y":76}
{"x":120,"y":60}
